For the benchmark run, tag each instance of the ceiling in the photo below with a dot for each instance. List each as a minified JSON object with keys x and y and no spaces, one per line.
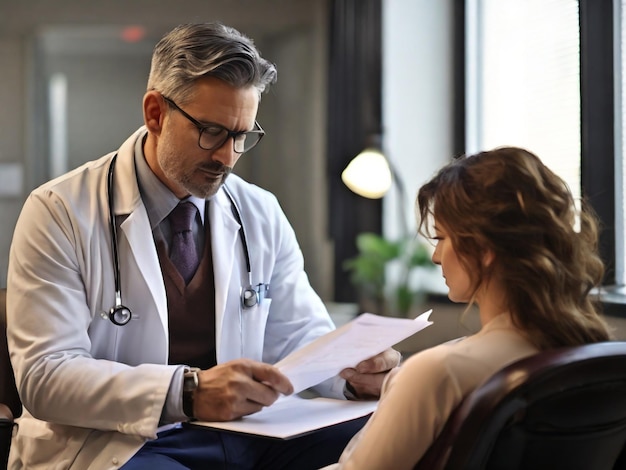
{"x":83,"y":24}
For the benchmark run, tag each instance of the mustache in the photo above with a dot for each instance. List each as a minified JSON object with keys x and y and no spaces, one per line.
{"x":217,"y":167}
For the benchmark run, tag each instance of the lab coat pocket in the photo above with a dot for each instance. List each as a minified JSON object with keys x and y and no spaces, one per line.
{"x":254,"y":322}
{"x":42,"y":442}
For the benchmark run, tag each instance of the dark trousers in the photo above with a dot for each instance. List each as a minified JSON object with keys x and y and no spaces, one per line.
{"x":195,"y":448}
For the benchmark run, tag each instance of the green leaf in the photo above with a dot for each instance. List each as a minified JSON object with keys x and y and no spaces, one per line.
{"x":420,"y":256}
{"x":366,"y":269}
{"x":373,"y":244}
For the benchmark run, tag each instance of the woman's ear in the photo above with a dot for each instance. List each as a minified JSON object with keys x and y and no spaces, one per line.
{"x":488,"y":257}
{"x":153,"y":111}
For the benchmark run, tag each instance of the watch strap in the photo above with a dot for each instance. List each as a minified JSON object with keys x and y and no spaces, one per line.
{"x":190,"y":384}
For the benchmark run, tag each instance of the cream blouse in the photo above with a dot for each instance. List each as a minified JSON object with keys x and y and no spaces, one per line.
{"x":418,"y":396}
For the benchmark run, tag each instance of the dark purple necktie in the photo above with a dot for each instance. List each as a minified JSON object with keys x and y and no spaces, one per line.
{"x":183,"y":248}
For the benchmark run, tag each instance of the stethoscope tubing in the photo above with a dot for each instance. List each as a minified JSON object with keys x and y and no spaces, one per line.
{"x":119,"y":314}
{"x":113,"y":228}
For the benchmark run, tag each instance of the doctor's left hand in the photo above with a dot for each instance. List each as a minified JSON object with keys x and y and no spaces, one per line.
{"x":366,"y":379}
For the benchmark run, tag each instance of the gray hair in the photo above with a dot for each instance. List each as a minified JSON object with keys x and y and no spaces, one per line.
{"x":193,"y":51}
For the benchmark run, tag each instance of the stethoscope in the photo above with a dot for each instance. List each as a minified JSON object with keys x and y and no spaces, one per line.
{"x":120,"y":315}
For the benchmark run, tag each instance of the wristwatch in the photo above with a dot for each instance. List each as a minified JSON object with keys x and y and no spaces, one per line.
{"x":190,"y":384}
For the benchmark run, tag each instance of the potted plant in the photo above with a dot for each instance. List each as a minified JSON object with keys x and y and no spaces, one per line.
{"x":369,"y":272}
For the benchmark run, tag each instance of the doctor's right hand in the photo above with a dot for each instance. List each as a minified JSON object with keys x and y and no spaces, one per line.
{"x":237,"y":388}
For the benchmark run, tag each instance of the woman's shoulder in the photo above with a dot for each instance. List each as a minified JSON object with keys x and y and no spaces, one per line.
{"x":468,"y":361}
{"x":438,"y":363}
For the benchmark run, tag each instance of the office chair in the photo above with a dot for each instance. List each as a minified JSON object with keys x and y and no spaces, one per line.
{"x":10,"y":405}
{"x":560,"y":409}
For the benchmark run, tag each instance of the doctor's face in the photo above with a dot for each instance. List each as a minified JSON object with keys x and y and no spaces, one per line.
{"x":460,"y":288}
{"x":185,"y":167}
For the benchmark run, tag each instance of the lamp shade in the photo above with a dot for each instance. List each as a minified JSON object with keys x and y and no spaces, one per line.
{"x":368,"y":174}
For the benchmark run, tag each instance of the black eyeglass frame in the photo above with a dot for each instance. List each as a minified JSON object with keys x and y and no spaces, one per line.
{"x":203,"y":127}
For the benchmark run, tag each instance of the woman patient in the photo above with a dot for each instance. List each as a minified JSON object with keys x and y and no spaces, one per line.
{"x":510,"y":240}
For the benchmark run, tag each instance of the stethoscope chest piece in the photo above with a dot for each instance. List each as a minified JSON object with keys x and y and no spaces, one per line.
{"x":253,"y":295}
{"x":249,"y":297}
{"x":120,"y":315}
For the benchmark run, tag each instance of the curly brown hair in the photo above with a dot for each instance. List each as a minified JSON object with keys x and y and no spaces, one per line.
{"x":546,"y":251}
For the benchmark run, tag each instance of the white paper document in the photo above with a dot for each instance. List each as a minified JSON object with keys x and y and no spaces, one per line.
{"x":360,"y":339}
{"x":293,"y":416}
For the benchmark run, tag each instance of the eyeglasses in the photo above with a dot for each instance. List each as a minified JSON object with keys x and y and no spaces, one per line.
{"x":213,"y":136}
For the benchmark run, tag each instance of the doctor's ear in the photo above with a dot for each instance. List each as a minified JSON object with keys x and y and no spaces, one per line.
{"x":154,"y":110}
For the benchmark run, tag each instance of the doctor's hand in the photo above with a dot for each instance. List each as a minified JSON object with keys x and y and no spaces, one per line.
{"x":366,"y":379}
{"x":237,"y":388}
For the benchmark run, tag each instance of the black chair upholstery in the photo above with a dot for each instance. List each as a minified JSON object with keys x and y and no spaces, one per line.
{"x":10,"y":405}
{"x":560,"y":409}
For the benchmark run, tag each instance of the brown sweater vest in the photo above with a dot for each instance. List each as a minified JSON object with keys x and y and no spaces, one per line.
{"x":191,"y":309}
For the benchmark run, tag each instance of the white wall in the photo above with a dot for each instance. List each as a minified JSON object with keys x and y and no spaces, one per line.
{"x":417,"y":99}
{"x":12,"y":135}
{"x":417,"y":96}
{"x":292,"y":33}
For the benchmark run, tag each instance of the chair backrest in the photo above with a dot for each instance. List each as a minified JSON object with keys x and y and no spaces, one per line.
{"x":559,"y":409}
{"x":8,"y":391}
{"x":10,"y":405}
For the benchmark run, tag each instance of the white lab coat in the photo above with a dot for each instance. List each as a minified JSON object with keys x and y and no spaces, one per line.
{"x":97,"y":390}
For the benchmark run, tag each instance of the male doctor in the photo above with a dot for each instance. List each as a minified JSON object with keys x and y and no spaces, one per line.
{"x":122,"y":324}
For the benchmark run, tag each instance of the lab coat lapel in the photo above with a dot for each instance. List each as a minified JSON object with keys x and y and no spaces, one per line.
{"x":224,"y":242}
{"x":136,"y":227}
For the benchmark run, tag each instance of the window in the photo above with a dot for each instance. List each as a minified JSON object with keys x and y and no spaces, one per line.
{"x":523,"y":80}
{"x":548,"y":75}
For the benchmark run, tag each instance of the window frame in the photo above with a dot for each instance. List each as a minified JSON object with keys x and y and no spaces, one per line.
{"x":597,"y":92}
